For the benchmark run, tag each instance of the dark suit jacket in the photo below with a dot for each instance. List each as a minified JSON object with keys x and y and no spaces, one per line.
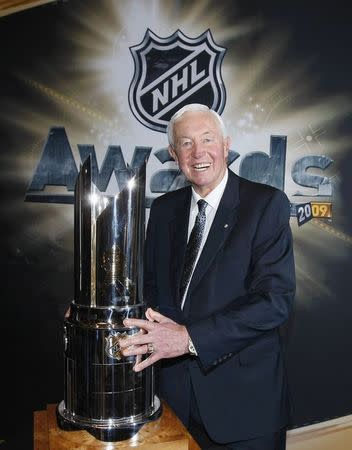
{"x":241,"y":291}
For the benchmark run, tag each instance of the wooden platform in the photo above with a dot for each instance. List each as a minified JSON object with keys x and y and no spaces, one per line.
{"x":333,"y":434}
{"x":166,"y":433}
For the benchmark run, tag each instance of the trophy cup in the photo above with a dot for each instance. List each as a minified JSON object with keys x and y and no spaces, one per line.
{"x":102,"y":393}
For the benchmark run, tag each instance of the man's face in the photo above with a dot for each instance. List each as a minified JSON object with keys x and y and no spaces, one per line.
{"x":200,"y":150}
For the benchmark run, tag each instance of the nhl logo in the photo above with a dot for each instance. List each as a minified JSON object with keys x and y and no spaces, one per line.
{"x":171,"y":72}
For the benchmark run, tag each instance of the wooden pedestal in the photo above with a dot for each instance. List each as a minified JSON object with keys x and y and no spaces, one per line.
{"x":166,"y":433}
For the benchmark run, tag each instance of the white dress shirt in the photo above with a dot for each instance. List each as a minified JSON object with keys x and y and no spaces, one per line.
{"x":213,"y":200}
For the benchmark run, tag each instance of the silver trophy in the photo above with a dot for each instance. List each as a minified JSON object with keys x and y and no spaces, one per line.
{"x":103,"y":395}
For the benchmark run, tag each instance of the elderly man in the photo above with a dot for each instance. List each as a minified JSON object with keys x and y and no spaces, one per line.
{"x":219,"y":268}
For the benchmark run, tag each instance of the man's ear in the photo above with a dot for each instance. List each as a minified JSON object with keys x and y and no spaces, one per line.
{"x":227,"y":143}
{"x":173,"y":153}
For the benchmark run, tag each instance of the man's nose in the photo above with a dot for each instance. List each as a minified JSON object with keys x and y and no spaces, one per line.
{"x":198,"y":150}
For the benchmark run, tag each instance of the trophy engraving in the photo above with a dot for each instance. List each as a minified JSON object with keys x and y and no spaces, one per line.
{"x":102,"y":393}
{"x":112,"y":347}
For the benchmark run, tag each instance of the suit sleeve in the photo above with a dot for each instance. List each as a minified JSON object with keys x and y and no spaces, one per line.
{"x":269,"y":297}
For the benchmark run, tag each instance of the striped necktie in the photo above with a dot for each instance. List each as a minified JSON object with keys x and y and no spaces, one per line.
{"x":193,"y":247}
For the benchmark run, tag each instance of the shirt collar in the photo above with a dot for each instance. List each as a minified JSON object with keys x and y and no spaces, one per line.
{"x":214,"y":197}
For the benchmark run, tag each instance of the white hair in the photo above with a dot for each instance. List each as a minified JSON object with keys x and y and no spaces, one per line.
{"x":193,"y":107}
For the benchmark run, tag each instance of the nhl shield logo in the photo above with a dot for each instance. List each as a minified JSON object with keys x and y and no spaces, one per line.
{"x":171,"y":72}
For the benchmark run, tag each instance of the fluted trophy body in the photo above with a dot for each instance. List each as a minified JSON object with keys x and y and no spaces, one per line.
{"x":102,"y":392}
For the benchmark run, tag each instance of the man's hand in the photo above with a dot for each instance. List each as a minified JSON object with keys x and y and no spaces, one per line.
{"x":166,"y":339}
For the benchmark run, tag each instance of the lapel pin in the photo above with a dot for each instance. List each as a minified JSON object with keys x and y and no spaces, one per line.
{"x":226,"y":225}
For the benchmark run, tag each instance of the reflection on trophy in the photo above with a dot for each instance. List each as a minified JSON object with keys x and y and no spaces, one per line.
{"x":102,"y":393}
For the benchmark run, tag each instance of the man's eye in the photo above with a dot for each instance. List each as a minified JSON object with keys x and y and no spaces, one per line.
{"x":186,"y":143}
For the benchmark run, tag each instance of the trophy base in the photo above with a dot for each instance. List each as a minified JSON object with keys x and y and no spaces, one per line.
{"x":108,"y":430}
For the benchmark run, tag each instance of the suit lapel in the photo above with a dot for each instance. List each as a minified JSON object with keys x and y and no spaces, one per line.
{"x":178,"y":240}
{"x":224,"y":221}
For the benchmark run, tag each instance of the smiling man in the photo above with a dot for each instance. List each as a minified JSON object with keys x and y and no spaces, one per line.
{"x":219,"y":268}
{"x":199,"y":146}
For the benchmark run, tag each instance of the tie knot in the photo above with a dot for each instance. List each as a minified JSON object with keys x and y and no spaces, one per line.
{"x":202,"y":204}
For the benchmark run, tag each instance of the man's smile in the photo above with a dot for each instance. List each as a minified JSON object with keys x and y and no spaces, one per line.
{"x":201,"y":167}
